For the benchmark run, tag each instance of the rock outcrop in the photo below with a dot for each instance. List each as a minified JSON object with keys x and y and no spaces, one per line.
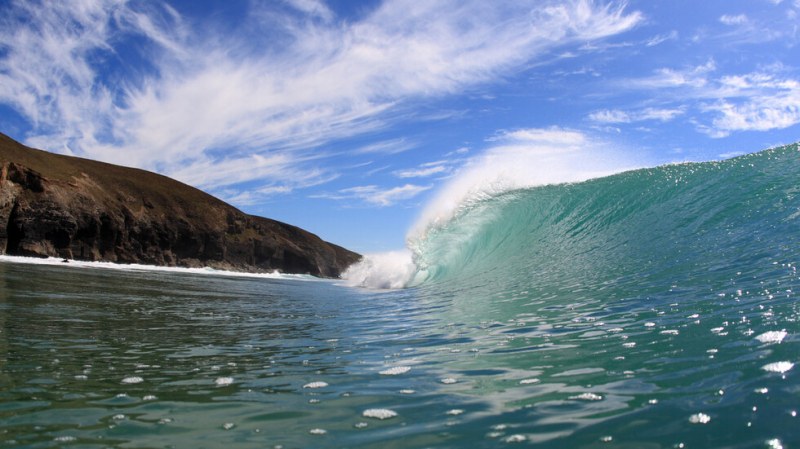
{"x":62,"y":206}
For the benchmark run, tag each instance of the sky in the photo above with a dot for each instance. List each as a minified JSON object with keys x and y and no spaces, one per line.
{"x":347,"y":117}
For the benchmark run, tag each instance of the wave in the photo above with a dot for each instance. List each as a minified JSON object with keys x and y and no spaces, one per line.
{"x":481,"y":230}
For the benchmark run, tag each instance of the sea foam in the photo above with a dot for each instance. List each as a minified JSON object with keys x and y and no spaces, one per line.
{"x":390,"y":270}
{"x":395,"y":371}
{"x":772,"y":337}
{"x":57,"y":261}
{"x":379,"y":413}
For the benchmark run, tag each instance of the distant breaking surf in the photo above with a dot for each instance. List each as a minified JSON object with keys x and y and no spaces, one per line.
{"x":55,"y":261}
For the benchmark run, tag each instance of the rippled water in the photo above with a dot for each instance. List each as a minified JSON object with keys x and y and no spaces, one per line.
{"x":109,"y":358}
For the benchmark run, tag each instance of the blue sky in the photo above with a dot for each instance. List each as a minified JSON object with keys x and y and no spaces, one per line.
{"x":346,"y":118}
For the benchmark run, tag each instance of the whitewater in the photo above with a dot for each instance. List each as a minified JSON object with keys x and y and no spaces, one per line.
{"x":588,"y":303}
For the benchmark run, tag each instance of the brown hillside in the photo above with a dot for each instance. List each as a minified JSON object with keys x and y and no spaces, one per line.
{"x":54,"y":205}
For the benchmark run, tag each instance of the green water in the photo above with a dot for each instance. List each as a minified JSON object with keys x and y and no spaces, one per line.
{"x":653,"y":309}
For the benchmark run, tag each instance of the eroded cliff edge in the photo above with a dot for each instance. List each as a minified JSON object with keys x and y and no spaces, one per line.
{"x":62,"y":206}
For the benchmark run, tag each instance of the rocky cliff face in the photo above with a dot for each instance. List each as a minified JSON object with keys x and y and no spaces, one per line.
{"x":53,"y":205}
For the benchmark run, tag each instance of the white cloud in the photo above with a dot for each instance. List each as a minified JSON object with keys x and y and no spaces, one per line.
{"x":543,"y":137}
{"x":462,"y":150}
{"x":610,"y":116}
{"x":659,"y":114}
{"x":253,"y":197}
{"x":696,"y":76}
{"x":733,"y":20}
{"x":762,"y":100}
{"x":205,"y":107}
{"x":756,"y":101}
{"x":661,"y":38}
{"x":421,"y":172}
{"x":755,"y":29}
{"x":313,"y":8}
{"x":756,"y":113}
{"x":392,"y":146}
{"x":377,"y":196}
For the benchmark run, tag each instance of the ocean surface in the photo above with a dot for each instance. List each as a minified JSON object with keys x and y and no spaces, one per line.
{"x":655,"y":308}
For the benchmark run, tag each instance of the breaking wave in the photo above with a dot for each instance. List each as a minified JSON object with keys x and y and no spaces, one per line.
{"x":496,"y":221}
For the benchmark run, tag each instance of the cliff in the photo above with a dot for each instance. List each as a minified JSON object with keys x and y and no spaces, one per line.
{"x":62,"y":206}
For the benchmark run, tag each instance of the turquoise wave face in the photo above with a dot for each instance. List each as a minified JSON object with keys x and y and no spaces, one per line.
{"x":711,"y":219}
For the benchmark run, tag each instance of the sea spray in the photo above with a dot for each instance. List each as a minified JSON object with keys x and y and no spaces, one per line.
{"x":389,"y":270}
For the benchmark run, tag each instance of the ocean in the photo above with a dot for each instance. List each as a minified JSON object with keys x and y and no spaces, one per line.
{"x":654,"y":308}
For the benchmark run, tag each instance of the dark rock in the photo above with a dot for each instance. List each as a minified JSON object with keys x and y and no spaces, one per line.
{"x":60,"y":206}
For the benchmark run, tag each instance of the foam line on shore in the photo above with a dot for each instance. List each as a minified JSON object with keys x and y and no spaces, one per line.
{"x":208,"y":271}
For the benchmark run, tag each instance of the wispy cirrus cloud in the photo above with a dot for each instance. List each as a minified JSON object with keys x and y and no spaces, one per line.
{"x":392,"y":146}
{"x":661,"y":38}
{"x":612,"y":116}
{"x":424,"y":171}
{"x":204,"y":103}
{"x":737,"y":19}
{"x":313,"y":8}
{"x":376,"y":195}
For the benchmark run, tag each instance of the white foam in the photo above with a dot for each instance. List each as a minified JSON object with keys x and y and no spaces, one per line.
{"x":389,"y":270}
{"x":223,"y":381}
{"x":529,"y":381}
{"x":317,"y":384}
{"x":516,"y":438}
{"x":774,"y":443}
{"x":379,"y":413}
{"x":132,"y":380}
{"x":778,"y":367}
{"x":587,"y":397}
{"x":56,"y":261}
{"x":395,"y":371}
{"x":699,"y":418}
{"x":772,"y":337}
